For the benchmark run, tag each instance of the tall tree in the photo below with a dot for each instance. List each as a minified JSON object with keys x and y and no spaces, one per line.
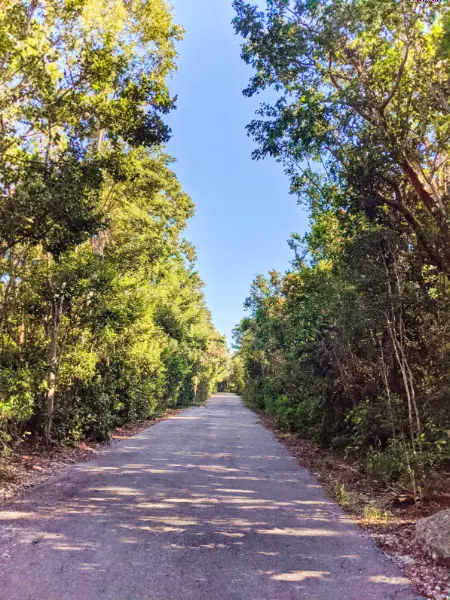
{"x":91,"y":219}
{"x":363,"y":106}
{"x":348,"y":348}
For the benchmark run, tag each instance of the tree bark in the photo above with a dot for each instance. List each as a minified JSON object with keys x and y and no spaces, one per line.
{"x":53,"y":334}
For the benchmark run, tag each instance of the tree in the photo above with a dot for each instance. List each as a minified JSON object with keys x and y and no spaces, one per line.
{"x":362,"y":119}
{"x":78,"y":80}
{"x":348,"y":347}
{"x":102,"y":317}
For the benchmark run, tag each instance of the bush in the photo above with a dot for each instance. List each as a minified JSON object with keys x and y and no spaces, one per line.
{"x":413,"y":467}
{"x":16,"y":402}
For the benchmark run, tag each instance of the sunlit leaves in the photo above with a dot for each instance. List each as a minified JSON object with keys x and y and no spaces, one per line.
{"x":102,"y":317}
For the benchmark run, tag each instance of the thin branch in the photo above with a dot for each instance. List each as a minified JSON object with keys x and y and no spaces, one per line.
{"x":396,"y":86}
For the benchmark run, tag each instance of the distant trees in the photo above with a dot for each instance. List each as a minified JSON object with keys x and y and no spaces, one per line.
{"x":102,"y":316}
{"x":233,"y":376}
{"x":350,"y":346}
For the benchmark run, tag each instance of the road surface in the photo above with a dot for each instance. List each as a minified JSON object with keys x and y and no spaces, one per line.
{"x":205,"y":506}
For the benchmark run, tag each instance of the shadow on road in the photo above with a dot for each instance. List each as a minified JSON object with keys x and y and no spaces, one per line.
{"x":205,"y":505}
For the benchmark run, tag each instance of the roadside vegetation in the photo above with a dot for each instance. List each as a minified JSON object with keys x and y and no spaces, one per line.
{"x":350,"y":347}
{"x":102,"y":314}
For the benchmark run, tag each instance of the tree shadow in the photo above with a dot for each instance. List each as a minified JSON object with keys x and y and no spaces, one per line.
{"x":190,"y":510}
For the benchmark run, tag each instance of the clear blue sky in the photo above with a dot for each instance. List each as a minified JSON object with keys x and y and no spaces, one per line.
{"x":245,"y":214}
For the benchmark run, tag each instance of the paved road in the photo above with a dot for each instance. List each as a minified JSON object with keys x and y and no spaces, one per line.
{"x":207,"y":505}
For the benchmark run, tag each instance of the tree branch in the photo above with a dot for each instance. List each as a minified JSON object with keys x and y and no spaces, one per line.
{"x":394,"y":90}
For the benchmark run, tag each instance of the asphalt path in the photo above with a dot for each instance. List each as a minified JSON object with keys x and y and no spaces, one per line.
{"x":206,"y":505}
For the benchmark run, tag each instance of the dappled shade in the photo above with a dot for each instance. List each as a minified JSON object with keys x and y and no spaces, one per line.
{"x":205,"y":505}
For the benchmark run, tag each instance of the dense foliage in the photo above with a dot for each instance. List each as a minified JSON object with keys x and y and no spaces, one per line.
{"x":351,"y":346}
{"x":102,"y":315}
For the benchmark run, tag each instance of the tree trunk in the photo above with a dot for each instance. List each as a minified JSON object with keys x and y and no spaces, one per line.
{"x":52,"y":376}
{"x":57,"y":301}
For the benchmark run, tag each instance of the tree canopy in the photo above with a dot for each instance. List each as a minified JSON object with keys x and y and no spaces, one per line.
{"x":350,"y":346}
{"x":102,"y":314}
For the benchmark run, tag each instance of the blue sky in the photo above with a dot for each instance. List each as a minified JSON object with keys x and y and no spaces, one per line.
{"x":245,"y":214}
